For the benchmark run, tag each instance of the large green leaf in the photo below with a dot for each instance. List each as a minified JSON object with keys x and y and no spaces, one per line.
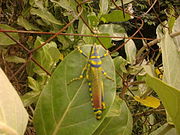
{"x":113,"y":30}
{"x":5,"y":40}
{"x":115,"y":16}
{"x":69,"y":5}
{"x":170,"y":58}
{"x":15,"y":59}
{"x":47,"y":56}
{"x":46,"y":15}
{"x":120,"y":120}
{"x":85,"y":30}
{"x":93,"y":19}
{"x":26,"y":24}
{"x":13,"y":116}
{"x":169,"y":96}
{"x":66,"y":109}
{"x":105,"y":41}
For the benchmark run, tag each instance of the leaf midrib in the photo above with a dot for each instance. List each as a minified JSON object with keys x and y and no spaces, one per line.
{"x":67,"y":109}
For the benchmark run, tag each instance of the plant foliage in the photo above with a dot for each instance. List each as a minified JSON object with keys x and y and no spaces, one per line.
{"x":38,"y":53}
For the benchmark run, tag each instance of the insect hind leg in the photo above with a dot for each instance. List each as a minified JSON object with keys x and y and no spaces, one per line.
{"x":105,"y":74}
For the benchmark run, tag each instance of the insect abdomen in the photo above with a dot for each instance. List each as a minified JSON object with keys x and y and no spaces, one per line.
{"x":96,"y":91}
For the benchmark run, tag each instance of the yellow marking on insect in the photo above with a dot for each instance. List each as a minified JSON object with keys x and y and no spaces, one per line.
{"x":159,"y":72}
{"x":98,"y":117}
{"x":92,"y":57}
{"x":98,"y":112}
{"x":96,"y":63}
{"x":90,"y":94}
{"x":106,"y":54}
{"x":89,"y":84}
{"x":103,"y":105}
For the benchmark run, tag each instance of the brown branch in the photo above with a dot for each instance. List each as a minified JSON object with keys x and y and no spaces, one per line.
{"x":72,"y":34}
{"x":150,"y":8}
{"x":60,"y":31}
{"x":150,"y":112}
{"x":139,"y":18}
{"x":17,"y":42}
{"x":155,"y":41}
{"x":86,"y":23}
{"x":47,"y":72}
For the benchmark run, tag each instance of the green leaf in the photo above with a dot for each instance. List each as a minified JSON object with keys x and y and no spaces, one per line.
{"x":113,"y":30}
{"x":105,"y":41}
{"x":115,"y":109}
{"x":69,"y":5}
{"x":5,"y":40}
{"x":93,"y":19}
{"x":115,"y":16}
{"x":30,"y":97}
{"x":66,"y":109}
{"x":45,"y":57}
{"x":24,"y":23}
{"x":103,"y":5}
{"x":65,"y":41}
{"x":46,"y":15}
{"x":54,"y":52}
{"x":117,"y":125}
{"x":171,"y":18}
{"x":15,"y":59}
{"x":120,"y":64}
{"x":85,"y":30}
{"x":13,"y":116}
{"x":169,"y":96}
{"x":170,"y":58}
{"x":33,"y":84}
{"x":130,"y":49}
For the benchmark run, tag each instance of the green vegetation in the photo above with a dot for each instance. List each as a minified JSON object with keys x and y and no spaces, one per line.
{"x":39,"y":56}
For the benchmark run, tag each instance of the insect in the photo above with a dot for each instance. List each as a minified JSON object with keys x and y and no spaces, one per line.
{"x":159,"y":72}
{"x":93,"y":72}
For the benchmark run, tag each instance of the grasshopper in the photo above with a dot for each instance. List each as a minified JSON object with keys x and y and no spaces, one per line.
{"x":93,"y":71}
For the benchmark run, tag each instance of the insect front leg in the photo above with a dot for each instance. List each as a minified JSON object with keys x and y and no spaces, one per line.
{"x":81,"y":52}
{"x":105,"y":54}
{"x":81,"y":75}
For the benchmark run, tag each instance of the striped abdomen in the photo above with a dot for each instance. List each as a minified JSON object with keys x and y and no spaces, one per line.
{"x":96,"y":84}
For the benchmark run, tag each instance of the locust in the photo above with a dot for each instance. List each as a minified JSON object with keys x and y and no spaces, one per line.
{"x":93,"y":72}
